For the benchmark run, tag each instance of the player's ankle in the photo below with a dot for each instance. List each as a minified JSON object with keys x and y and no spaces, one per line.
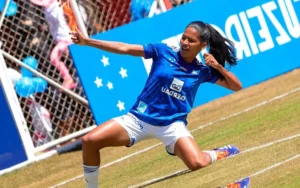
{"x":212,"y":154}
{"x":91,"y":174}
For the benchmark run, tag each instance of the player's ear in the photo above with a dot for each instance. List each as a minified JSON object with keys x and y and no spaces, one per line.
{"x":203,"y":45}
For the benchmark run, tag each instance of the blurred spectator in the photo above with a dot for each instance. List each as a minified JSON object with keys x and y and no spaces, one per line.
{"x":175,"y":3}
{"x":35,"y":40}
{"x":115,"y":13}
{"x":70,"y":16}
{"x":140,"y":9}
{"x":89,"y":16}
{"x":107,"y":14}
{"x":41,"y":118}
{"x":41,"y":121}
{"x":59,"y":30}
{"x":168,"y":4}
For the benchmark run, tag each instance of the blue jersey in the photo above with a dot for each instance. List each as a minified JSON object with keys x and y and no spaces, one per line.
{"x":171,"y":87}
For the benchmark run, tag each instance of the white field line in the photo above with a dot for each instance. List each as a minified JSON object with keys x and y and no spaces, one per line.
{"x":272,"y":166}
{"x":245,"y":151}
{"x":248,"y":109}
{"x":201,"y":127}
{"x":108,"y":164}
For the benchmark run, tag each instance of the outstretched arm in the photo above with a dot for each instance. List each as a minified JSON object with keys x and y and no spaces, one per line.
{"x":110,"y":46}
{"x":117,"y":47}
{"x":231,"y":81}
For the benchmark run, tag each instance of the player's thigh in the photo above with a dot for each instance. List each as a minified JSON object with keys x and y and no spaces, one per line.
{"x":170,"y":134}
{"x":110,"y":133}
{"x":187,"y":149}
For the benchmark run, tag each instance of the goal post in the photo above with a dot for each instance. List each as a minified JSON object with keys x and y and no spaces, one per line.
{"x":17,"y":146}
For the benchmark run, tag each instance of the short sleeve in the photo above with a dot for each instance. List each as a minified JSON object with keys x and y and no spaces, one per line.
{"x":211,"y":75}
{"x":153,"y":50}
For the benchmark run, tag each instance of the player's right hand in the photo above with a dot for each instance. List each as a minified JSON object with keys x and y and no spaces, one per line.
{"x":78,"y":37}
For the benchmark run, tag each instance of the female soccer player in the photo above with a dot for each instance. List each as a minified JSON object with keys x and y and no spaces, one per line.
{"x":162,"y":107}
{"x":59,"y":30}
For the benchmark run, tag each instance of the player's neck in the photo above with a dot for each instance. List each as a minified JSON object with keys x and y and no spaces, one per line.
{"x":187,"y":59}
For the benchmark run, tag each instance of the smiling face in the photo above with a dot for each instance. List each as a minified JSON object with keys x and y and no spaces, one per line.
{"x":190,"y":44}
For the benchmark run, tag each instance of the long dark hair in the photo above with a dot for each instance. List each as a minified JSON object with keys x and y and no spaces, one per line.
{"x":221,"y":48}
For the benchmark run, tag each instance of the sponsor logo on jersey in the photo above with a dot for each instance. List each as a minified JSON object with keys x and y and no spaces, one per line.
{"x":176,"y":85}
{"x":173,"y":94}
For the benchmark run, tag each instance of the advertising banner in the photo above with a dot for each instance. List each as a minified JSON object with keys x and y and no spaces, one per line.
{"x":12,"y":151}
{"x":266,"y":35}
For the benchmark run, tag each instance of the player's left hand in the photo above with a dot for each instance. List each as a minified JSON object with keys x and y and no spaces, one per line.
{"x":211,"y":61}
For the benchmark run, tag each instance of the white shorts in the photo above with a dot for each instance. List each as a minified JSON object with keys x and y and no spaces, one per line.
{"x":139,"y":130}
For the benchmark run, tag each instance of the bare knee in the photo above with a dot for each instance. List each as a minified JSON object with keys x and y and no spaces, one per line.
{"x":197,"y":164}
{"x":90,"y":141}
{"x":87,"y":139}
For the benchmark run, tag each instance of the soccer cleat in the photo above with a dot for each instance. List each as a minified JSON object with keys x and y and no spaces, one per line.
{"x":243,"y":183}
{"x":226,"y":151}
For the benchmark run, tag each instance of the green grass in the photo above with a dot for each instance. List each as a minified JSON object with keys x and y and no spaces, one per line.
{"x":273,"y":121}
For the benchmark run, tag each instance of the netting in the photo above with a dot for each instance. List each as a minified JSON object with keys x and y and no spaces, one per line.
{"x":52,"y":114}
{"x":103,"y":15}
{"x":26,"y":34}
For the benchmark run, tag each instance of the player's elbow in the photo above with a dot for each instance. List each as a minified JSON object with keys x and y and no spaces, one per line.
{"x":122,"y":48}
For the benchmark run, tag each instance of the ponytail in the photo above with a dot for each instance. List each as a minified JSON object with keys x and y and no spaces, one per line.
{"x":221,"y":48}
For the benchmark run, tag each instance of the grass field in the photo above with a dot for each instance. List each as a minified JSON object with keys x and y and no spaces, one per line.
{"x":268,"y":122}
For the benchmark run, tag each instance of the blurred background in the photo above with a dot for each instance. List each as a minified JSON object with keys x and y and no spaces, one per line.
{"x":44,"y":77}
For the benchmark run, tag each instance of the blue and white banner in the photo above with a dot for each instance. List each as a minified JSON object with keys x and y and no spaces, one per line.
{"x":12,"y":151}
{"x":266,"y":35}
